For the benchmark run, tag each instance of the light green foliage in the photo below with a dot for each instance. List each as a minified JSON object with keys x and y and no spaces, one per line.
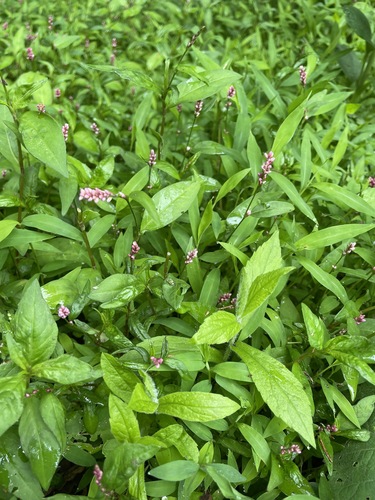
{"x":182,"y":313}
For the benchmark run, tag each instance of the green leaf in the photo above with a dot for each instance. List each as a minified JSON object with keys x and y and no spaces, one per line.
{"x":66,"y":369}
{"x":175,"y":471}
{"x":117,"y":290}
{"x":176,"y":435}
{"x":122,"y":461}
{"x":197,"y":406}
{"x":288,"y":128}
{"x":231,"y":183}
{"x":39,"y":442}
{"x":332,"y":235}
{"x":53,"y":225}
{"x":209,"y":83}
{"x":119,"y":379}
{"x":99,"y":229}
{"x":170,"y":202}
{"x":12,"y":399}
{"x":141,"y":401}
{"x":257,"y":442}
{"x":218,"y":328}
{"x":35,"y":331}
{"x":124,"y":424}
{"x":342,"y":196}
{"x":63,"y":41}
{"x":290,"y":190}
{"x":358,"y":22}
{"x":53,"y":413}
{"x":316,"y":330}
{"x":15,"y":465}
{"x":333,"y":394}
{"x":235,"y":252}
{"x":325,"y":279}
{"x":226,"y":471}
{"x":8,"y":142}
{"x":43,"y":139}
{"x":233,"y":370}
{"x":280,"y":389}
{"x":353,"y":361}
{"x":6,"y":227}
{"x":138,"y":78}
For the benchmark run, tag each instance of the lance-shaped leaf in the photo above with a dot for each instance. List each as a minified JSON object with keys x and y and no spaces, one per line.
{"x":43,"y":138}
{"x":197,"y":406}
{"x":315,"y":328}
{"x":280,"y":389}
{"x":66,"y":369}
{"x":124,"y":425}
{"x":35,"y":331}
{"x":39,"y":442}
{"x":170,"y":202}
{"x":218,"y":328}
{"x":332,"y":235}
{"x":12,"y":399}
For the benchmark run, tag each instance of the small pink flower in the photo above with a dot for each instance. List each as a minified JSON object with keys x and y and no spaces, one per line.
{"x":114,"y":42}
{"x":50,"y":22}
{"x":360,"y":319}
{"x":191,"y":255}
{"x":157,"y":361}
{"x":95,"y":128}
{"x":63,"y":312}
{"x":231,"y":92}
{"x":134,"y":250}
{"x":95,"y":194}
{"x":350,"y":248}
{"x":30,"y":54}
{"x":41,"y":108}
{"x":266,"y":167}
{"x":65,"y":131}
{"x":198,"y":108}
{"x":57,"y":93}
{"x":112,"y":59}
{"x":152,"y":158}
{"x":302,"y":75}
{"x":179,"y":108}
{"x":4,"y":172}
{"x":5,"y":25}
{"x":371,"y":182}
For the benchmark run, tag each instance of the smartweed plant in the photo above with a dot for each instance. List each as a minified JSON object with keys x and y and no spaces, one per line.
{"x":186,"y":250}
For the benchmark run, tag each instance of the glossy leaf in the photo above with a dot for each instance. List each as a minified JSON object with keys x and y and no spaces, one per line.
{"x":119,"y":379}
{"x":170,"y":202}
{"x":39,"y":442}
{"x":280,"y":389}
{"x":42,"y":137}
{"x":358,"y":22}
{"x":175,"y":471}
{"x":53,"y":225}
{"x":208,"y":84}
{"x":66,"y":369}
{"x":332,"y":235}
{"x":124,"y":425}
{"x":315,"y":328}
{"x":117,"y":290}
{"x":290,"y":190}
{"x":12,"y":399}
{"x":6,"y":227}
{"x":325,"y":279}
{"x":218,"y":328}
{"x":35,"y":330}
{"x":288,"y":128}
{"x":197,"y":406}
{"x":342,"y":196}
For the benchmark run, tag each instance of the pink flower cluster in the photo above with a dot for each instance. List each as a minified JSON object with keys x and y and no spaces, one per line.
{"x":302,"y":75}
{"x":41,"y":108}
{"x":30,"y":54}
{"x":191,"y":255}
{"x":157,"y":361}
{"x":95,"y":128}
{"x":152,"y":158}
{"x":371,"y":182}
{"x":226,"y":301}
{"x":294,"y":448}
{"x":328,"y":428}
{"x":63,"y":312}
{"x":350,"y":248}
{"x":230,"y":94}
{"x":65,"y":131}
{"x":98,"y":474}
{"x":134,"y":250}
{"x":198,"y":108}
{"x":57,"y":93}
{"x":50,"y":22}
{"x":360,"y":319}
{"x":95,"y":194}
{"x":266,"y":167}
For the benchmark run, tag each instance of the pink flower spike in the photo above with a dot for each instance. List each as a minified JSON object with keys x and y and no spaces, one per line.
{"x":152,"y":158}
{"x":371,"y":182}
{"x":95,"y":128}
{"x":302,"y":76}
{"x":41,"y":108}
{"x":191,"y":255}
{"x":57,"y":93}
{"x":65,"y":131}
{"x":30,"y":54}
{"x":63,"y":312}
{"x":360,"y":319}
{"x":157,"y":361}
{"x":198,"y":108}
{"x":231,"y":92}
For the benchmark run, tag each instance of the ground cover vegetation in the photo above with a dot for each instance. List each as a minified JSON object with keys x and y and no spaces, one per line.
{"x":186,"y":250}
